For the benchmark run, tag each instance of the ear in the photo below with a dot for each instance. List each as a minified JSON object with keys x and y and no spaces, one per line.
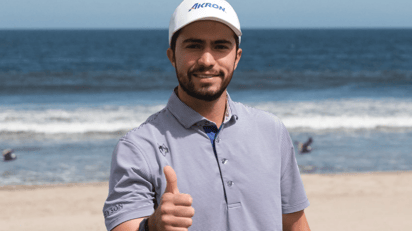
{"x":171,"y":57}
{"x":238,"y":55}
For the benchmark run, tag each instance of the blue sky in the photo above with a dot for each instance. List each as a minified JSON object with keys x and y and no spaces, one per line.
{"x":83,"y":14}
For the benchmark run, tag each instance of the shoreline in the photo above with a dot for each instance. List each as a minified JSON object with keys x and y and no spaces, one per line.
{"x":18,"y":187}
{"x":376,"y":201}
{"x":45,"y":186}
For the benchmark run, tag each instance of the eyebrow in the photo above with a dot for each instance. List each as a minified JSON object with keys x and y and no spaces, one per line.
{"x":221,"y":41}
{"x":190,"y":40}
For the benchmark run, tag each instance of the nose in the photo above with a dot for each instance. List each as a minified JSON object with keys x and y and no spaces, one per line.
{"x":206,"y":59}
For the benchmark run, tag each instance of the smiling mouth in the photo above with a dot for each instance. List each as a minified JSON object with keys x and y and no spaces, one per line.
{"x":205,"y":76}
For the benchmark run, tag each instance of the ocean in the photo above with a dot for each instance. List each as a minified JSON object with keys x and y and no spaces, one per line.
{"x":67,"y":96}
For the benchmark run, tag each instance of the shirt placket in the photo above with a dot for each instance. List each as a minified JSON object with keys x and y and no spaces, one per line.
{"x":226,"y":170}
{"x":223,"y":160}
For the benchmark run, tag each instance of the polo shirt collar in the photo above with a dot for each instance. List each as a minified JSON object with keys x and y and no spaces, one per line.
{"x":189,"y":117}
{"x":232,"y":108}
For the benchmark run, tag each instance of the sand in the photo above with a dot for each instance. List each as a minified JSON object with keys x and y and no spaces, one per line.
{"x":339,"y":202}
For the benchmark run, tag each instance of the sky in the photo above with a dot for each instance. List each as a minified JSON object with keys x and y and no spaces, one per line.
{"x":131,"y":14}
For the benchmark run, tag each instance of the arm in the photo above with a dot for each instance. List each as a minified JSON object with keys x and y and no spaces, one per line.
{"x":294,"y":199}
{"x":295,"y":222}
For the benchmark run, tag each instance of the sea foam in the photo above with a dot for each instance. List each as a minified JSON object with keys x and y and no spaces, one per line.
{"x":317,"y":115}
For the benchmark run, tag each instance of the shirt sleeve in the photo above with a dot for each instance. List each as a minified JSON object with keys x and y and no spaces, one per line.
{"x":293,"y":194}
{"x":131,"y":193}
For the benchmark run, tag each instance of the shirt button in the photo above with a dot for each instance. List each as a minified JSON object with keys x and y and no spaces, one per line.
{"x":218,"y":140}
{"x":230,"y":183}
{"x":224,"y":161}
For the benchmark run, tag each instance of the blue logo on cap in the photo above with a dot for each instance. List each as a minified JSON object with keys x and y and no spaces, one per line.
{"x":204,"y":5}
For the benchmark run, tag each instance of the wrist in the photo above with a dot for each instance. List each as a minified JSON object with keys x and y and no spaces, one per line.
{"x":146,"y":224}
{"x":143,"y":226}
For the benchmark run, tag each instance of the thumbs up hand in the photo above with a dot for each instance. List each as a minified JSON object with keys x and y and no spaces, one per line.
{"x":175,"y":211}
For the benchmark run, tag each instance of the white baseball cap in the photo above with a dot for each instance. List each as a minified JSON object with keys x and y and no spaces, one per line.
{"x":194,"y":10}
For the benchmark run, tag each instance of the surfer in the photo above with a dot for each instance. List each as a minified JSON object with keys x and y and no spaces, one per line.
{"x":9,"y":155}
{"x":305,"y":147}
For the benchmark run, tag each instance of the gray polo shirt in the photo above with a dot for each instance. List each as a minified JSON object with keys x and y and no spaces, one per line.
{"x":251,"y":181}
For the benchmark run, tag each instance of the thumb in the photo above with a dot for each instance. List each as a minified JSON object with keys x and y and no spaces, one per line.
{"x":171,"y":180}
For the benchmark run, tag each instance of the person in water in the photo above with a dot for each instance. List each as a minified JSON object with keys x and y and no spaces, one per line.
{"x":9,"y":155}
{"x":305,"y":147}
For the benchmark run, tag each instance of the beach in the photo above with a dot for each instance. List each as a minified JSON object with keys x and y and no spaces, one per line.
{"x":377,"y":201}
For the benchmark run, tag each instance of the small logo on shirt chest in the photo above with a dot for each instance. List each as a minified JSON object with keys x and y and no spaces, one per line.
{"x":163,"y":149}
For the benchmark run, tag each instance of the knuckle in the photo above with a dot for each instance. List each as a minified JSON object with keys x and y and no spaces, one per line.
{"x":167,"y":197}
{"x":187,"y":198}
{"x":164,"y":220}
{"x":168,"y":228}
{"x":165,"y":209}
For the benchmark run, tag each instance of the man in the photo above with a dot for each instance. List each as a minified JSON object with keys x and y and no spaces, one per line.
{"x":234,"y":165}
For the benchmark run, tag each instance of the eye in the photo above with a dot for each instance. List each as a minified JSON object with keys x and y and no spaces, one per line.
{"x":194,"y":46}
{"x":221,"y":47}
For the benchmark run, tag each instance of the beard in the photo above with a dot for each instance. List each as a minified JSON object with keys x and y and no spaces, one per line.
{"x":202,"y":93}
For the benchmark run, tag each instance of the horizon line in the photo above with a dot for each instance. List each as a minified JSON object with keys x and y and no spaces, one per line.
{"x":165,"y":28}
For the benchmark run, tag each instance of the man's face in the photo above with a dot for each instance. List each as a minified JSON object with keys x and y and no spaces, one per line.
{"x":205,"y":58}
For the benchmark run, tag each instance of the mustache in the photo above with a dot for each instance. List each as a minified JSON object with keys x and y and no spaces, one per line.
{"x":204,"y":69}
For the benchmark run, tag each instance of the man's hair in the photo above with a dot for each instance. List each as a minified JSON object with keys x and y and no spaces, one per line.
{"x":176,"y":34}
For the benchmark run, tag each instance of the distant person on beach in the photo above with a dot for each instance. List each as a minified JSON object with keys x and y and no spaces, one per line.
{"x":205,"y":162}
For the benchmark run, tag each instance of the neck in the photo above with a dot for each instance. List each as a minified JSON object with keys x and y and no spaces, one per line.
{"x":211,"y":110}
